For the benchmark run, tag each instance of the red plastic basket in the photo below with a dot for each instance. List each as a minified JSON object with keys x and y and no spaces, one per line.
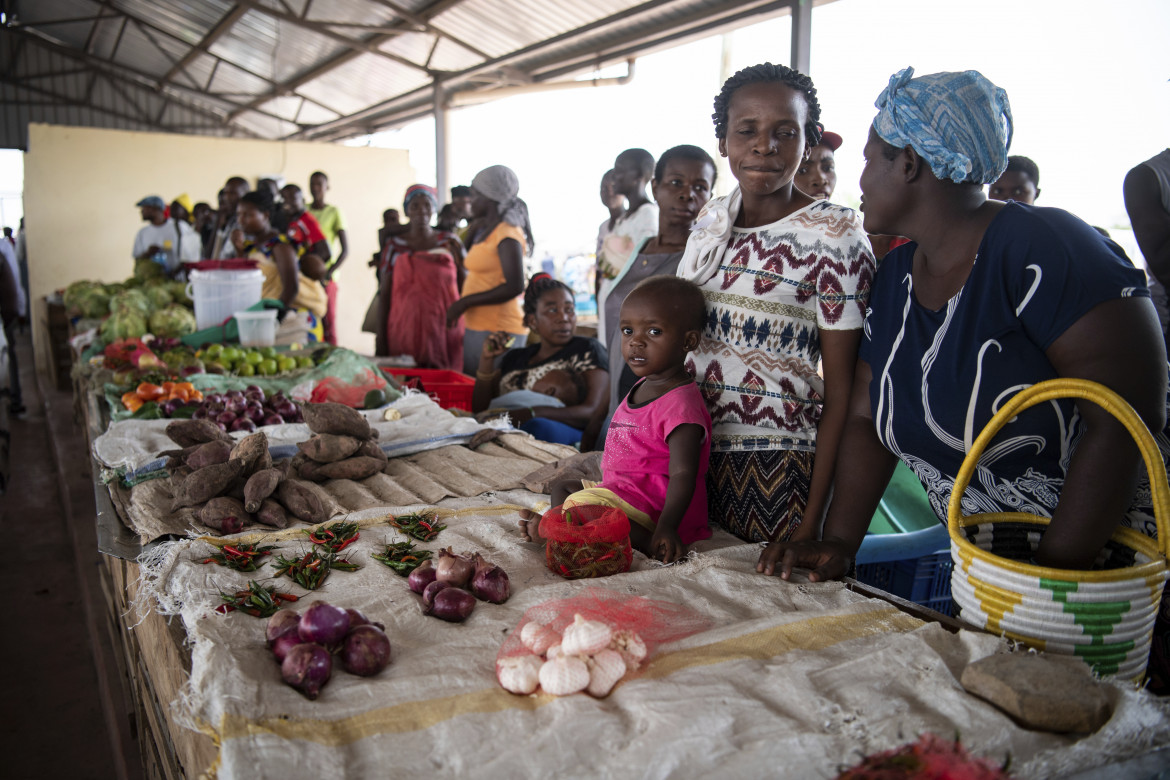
{"x":449,"y":389}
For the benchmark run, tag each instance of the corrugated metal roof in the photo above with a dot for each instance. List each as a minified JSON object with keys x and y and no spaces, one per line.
{"x":327,"y":69}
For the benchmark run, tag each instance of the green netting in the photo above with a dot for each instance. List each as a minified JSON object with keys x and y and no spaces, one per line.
{"x":342,"y":364}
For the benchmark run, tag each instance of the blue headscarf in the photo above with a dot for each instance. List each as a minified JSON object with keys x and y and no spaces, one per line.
{"x":960,"y":123}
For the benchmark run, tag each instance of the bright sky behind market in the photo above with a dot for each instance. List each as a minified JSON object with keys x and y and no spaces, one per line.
{"x":1087,"y":83}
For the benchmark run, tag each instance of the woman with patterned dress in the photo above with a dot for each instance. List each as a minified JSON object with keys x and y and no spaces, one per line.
{"x":786,"y":280}
{"x":987,"y":299}
{"x":420,"y":275}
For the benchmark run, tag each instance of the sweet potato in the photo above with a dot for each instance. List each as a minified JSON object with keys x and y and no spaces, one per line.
{"x":371,"y":449}
{"x":186,"y":433}
{"x":271,"y":513}
{"x":206,"y":483}
{"x":302,"y":500}
{"x":226,"y":515}
{"x":329,"y":447}
{"x":260,"y":486}
{"x":308,"y":469}
{"x":330,"y":417}
{"x":209,"y":454}
{"x":252,"y":452}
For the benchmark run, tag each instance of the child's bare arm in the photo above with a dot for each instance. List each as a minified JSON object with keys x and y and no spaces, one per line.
{"x":685,"y":443}
{"x":563,"y":488}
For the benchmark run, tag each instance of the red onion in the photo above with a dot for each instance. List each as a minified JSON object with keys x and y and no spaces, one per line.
{"x":225,"y":418}
{"x":273,"y":419}
{"x":428,"y":595}
{"x":243,"y":424}
{"x":366,"y":651}
{"x":281,"y":622}
{"x":307,"y":668}
{"x":284,"y":643}
{"x":421,"y":577}
{"x":490,"y":582}
{"x":453,"y":569}
{"x":452,"y":604}
{"x":356,"y":619}
{"x":324,"y":624}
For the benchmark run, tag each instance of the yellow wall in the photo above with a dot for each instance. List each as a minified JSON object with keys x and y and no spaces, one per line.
{"x":81,"y":184}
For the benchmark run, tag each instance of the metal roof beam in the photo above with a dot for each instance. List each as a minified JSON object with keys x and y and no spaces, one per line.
{"x":45,"y":23}
{"x":222,"y":26}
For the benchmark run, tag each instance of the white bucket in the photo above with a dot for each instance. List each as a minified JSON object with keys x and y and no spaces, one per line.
{"x":220,"y":294}
{"x":257,"y":328}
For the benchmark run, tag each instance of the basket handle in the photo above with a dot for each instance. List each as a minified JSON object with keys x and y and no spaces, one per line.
{"x":1099,"y":394}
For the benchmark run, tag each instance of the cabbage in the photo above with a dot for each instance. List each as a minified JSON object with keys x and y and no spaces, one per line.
{"x":146,"y":269}
{"x":179,"y":293}
{"x":124,"y":323}
{"x":158,"y":294}
{"x":135,"y":300}
{"x":87,"y":298}
{"x":172,"y":321}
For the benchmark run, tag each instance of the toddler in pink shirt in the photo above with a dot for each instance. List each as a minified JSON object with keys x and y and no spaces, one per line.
{"x":654,"y":463}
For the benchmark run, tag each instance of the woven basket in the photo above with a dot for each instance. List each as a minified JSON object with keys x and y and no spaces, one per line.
{"x":1104,"y":615}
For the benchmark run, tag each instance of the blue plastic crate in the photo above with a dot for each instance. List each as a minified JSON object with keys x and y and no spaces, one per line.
{"x":925,"y":580}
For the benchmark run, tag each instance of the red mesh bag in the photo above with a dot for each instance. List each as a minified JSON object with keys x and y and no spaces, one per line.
{"x":656,"y":622}
{"x":352,"y":393}
{"x":586,"y":541}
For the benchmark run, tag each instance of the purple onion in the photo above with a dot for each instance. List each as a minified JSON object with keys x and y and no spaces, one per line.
{"x":366,"y":651}
{"x":452,"y":604}
{"x":234,"y":394}
{"x":356,"y":619}
{"x":281,"y":622}
{"x":286,"y":409}
{"x":169,"y":407}
{"x":200,"y":414}
{"x":490,"y":582}
{"x":273,"y":419}
{"x":283,"y":644}
{"x":454,"y":569}
{"x":254,"y":389}
{"x":189,"y":370}
{"x":225,"y":418}
{"x":421,"y":577}
{"x":428,"y":595}
{"x":255,"y":413}
{"x":307,"y":667}
{"x":243,"y":424}
{"x":221,"y":426}
{"x":324,"y":624}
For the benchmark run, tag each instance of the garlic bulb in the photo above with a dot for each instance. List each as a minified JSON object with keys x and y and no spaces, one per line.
{"x":605,"y":669}
{"x":538,"y":637}
{"x":564,"y":675}
{"x":553,"y":652}
{"x":630,"y":646}
{"x":585,"y":637}
{"x":519,"y":673}
{"x":391,"y":414}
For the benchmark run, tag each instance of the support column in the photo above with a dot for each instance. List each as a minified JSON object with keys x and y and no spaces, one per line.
{"x":801,"y":35}
{"x":442,"y":162}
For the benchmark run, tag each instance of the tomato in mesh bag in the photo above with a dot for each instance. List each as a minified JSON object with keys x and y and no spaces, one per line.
{"x":586,"y":541}
{"x":352,"y":393}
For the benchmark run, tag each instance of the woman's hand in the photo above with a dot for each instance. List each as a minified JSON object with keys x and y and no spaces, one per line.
{"x":454,"y":312}
{"x":829,"y":559}
{"x":495,"y":345}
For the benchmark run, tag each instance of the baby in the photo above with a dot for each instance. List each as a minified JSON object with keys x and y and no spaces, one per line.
{"x":654,"y":465}
{"x":562,"y":385}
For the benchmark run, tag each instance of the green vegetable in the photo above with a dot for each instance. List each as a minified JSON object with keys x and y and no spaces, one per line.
{"x":123,"y":324}
{"x":374,"y":399}
{"x":179,"y":293}
{"x":172,"y":321}
{"x":146,"y":269}
{"x":134,"y":300}
{"x":160,"y":297}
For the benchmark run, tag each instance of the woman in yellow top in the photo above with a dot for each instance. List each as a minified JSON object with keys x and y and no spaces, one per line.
{"x":283,"y":280}
{"x":494,"y":263}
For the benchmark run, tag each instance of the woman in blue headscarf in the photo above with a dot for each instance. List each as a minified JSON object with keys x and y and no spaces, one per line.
{"x":988,"y":298}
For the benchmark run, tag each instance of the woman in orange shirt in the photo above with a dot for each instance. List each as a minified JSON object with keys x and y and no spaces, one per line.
{"x":495,"y":264}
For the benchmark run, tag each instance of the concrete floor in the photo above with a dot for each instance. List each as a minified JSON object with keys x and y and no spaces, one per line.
{"x":64,"y":713}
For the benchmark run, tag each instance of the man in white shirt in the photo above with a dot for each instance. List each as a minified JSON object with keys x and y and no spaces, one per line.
{"x":171,"y":237}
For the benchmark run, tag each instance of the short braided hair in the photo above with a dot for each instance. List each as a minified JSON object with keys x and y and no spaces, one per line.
{"x":1024,"y":165}
{"x":538,"y":285}
{"x":769,"y":73}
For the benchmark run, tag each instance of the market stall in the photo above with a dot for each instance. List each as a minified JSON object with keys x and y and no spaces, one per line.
{"x":745,"y":675}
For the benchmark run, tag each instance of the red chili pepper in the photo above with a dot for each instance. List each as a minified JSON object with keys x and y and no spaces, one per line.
{"x":286,"y":597}
{"x":210,"y":560}
{"x":233,"y":551}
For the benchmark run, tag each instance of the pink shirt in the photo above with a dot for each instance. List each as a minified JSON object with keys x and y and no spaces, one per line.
{"x":635,"y":463}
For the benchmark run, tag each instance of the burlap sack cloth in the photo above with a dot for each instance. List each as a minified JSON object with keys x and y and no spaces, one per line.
{"x":792,"y":680}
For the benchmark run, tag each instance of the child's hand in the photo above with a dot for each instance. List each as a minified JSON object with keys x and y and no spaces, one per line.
{"x":238,"y":240}
{"x":665,"y":546}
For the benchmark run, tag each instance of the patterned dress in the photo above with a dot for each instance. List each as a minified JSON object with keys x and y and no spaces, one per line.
{"x":777,"y":287}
